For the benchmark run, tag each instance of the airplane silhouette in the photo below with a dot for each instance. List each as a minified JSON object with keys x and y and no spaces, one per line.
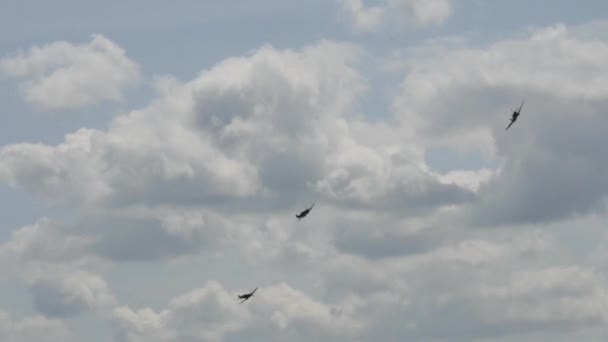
{"x":305,"y":212}
{"x":246,"y":296}
{"x":515,"y":115}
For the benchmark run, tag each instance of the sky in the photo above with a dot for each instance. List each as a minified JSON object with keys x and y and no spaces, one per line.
{"x":153,"y":156}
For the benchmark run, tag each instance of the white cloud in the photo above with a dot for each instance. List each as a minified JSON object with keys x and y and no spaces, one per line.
{"x":276,"y":313}
{"x":117,"y":235}
{"x":362,"y":17}
{"x":276,"y":125}
{"x":462,"y":97}
{"x":45,"y":240}
{"x":396,"y":13}
{"x":141,"y":325}
{"x":63,"y":295}
{"x":218,"y":165}
{"x":471,"y":289}
{"x":469,"y":179}
{"x":33,"y":329}
{"x":62,"y":75}
{"x":554,"y":61}
{"x":463,"y":290}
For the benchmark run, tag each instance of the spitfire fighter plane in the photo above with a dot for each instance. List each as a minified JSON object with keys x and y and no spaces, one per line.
{"x":246,"y":296}
{"x":305,"y":212}
{"x":515,"y":115}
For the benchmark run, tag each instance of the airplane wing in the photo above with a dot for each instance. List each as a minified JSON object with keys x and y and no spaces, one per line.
{"x":312,"y":205}
{"x":522,"y":105}
{"x":241,"y":302}
{"x":254,"y":291}
{"x":512,"y":122}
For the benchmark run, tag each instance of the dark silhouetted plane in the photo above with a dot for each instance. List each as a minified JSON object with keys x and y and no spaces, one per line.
{"x":515,"y":115}
{"x":246,"y":296}
{"x":305,"y":212}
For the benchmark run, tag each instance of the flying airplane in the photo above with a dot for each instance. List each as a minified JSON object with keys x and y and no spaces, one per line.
{"x":515,"y":115}
{"x":246,"y":296}
{"x":305,"y":212}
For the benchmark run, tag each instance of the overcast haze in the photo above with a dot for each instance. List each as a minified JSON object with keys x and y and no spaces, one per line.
{"x":154,"y":153}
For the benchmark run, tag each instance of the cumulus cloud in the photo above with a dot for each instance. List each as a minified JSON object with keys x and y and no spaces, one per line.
{"x":552,"y":168}
{"x":472,"y":288}
{"x":140,"y":325}
{"x":33,"y":329}
{"x":276,"y":125}
{"x":61,"y":295}
{"x":399,"y":13}
{"x":362,"y":17}
{"x":64,"y":76}
{"x":213,"y":314}
{"x":45,"y":240}
{"x":219,"y":164}
{"x":115,"y":235}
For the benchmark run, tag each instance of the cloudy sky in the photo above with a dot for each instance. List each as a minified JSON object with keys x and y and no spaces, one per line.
{"x":154,"y":153}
